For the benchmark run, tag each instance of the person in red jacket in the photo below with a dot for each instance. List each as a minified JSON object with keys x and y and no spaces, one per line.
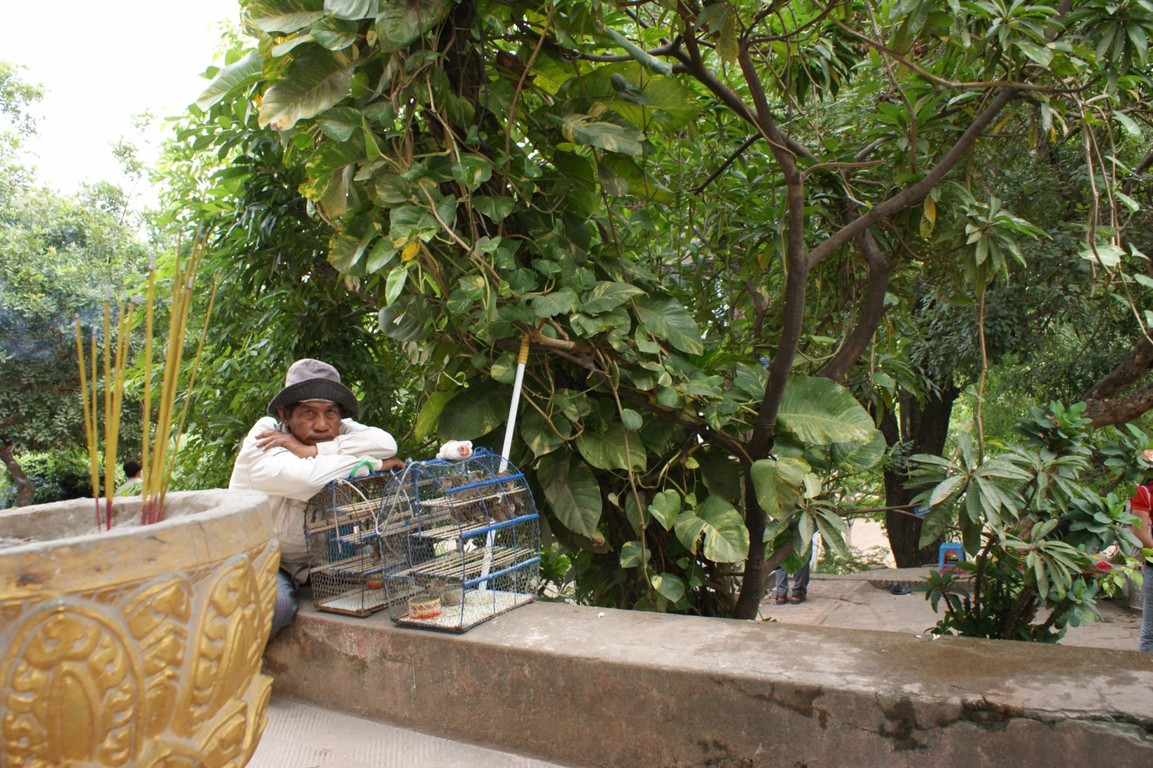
{"x":1141,"y":505}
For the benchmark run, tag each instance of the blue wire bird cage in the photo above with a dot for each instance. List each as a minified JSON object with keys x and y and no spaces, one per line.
{"x":441,"y":544}
{"x":459,"y":542}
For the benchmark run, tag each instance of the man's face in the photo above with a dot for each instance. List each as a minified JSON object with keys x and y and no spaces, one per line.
{"x":313,"y":422}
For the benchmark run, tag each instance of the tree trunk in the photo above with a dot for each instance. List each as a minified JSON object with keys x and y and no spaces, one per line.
{"x":25,"y":488}
{"x":927,"y":427}
{"x":1107,"y":402}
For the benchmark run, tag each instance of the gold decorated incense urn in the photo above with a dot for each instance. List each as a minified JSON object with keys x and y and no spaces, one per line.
{"x":139,"y":646}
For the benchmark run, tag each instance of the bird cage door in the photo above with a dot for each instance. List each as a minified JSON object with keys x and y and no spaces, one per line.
{"x":344,"y":549}
{"x":471,"y":543}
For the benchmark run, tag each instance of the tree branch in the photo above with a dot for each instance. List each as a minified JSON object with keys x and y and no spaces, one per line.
{"x":871,"y":312}
{"x":915,"y":192}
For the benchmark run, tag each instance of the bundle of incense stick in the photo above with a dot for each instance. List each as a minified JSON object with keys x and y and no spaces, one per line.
{"x":157,"y":455}
{"x":113,"y":378}
{"x":159,"y":444}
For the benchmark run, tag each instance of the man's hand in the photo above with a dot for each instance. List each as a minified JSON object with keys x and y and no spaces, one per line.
{"x":273,"y":438}
{"x":369,"y":465}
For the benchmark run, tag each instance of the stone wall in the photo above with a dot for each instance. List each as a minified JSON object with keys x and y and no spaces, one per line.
{"x":617,"y":689}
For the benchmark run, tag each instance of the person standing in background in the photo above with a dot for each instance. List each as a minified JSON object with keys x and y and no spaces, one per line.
{"x":133,"y":483}
{"x":1140,"y":505}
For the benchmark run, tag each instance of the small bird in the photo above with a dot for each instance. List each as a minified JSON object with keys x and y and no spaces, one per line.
{"x":448,"y":594}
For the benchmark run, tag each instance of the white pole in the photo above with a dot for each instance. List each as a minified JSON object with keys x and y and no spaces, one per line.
{"x":521,"y":360}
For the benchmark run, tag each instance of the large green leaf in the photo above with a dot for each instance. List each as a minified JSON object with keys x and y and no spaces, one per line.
{"x":633,"y":555}
{"x":472,"y":171}
{"x":665,"y":508}
{"x":640,"y":97}
{"x":475,"y":411}
{"x":325,"y":162}
{"x":402,"y":22}
{"x":818,"y":411}
{"x":669,"y":586}
{"x":352,"y":9}
{"x":857,"y":457}
{"x":666,"y":319}
{"x":429,"y":416}
{"x":607,"y":295}
{"x":674,"y":104}
{"x":606,"y":449}
{"x":947,"y":488}
{"x":833,"y":530}
{"x":779,"y":484}
{"x":495,"y":208}
{"x":284,"y":16}
{"x":722,"y":475}
{"x":572,"y":493}
{"x":394,"y":283}
{"x":935,"y":525}
{"x":335,"y":34}
{"x":380,"y":256}
{"x":726,"y":539}
{"x":543,"y":436}
{"x":576,"y":183}
{"x":610,"y":321}
{"x":620,"y":175}
{"x":607,"y":136}
{"x":340,"y":123}
{"x":556,"y":303}
{"x":406,"y":319}
{"x":315,"y":81}
{"x":410,"y":222}
{"x":346,"y":249}
{"x":239,"y":73}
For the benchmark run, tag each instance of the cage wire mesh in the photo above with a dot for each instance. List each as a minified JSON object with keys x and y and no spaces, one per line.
{"x":344,"y":551}
{"x":459,"y":542}
{"x":440,"y":544}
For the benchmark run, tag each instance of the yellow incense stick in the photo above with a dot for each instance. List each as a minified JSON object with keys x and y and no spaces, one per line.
{"x":196,"y":361}
{"x":109,"y":451}
{"x":89,"y":415}
{"x":112,"y":416}
{"x":147,"y":476}
{"x":95,"y":400}
{"x":160,"y":434}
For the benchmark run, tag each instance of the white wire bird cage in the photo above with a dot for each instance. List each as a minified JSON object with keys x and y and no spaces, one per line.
{"x":459,"y":542}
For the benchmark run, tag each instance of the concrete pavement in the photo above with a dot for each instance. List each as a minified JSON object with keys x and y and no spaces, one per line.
{"x":304,"y":736}
{"x":863,"y":601}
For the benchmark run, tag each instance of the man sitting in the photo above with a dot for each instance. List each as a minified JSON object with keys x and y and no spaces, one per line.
{"x":308,"y":440}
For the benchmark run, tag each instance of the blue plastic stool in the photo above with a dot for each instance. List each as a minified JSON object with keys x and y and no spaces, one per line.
{"x":949,"y":555}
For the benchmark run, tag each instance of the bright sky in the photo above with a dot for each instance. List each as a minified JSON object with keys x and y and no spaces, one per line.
{"x":101,"y":63}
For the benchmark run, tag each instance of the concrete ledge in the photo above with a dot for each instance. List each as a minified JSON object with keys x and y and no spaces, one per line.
{"x":618,"y":689}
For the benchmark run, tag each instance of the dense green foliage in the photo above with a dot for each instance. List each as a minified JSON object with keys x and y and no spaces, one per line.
{"x":60,"y":258}
{"x":56,"y":475}
{"x":759,"y":251}
{"x":659,"y":196}
{"x":279,"y":298}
